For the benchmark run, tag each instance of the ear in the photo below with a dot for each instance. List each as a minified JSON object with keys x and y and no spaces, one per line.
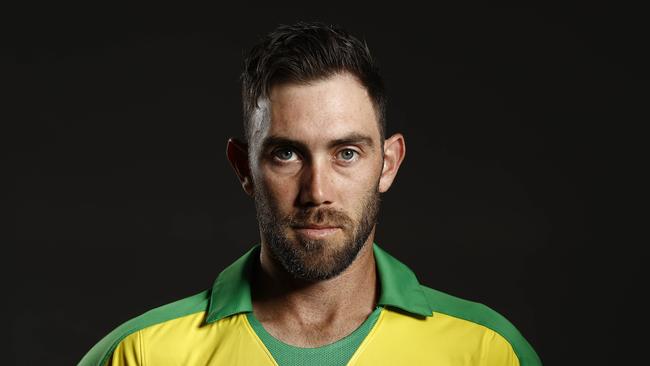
{"x":237,"y":154}
{"x":394,"y":152}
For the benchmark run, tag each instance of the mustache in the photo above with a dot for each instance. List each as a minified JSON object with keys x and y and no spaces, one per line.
{"x":321,"y":217}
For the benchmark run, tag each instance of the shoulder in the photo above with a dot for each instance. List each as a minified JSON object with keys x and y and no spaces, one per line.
{"x":501,"y":334}
{"x":99,"y":354}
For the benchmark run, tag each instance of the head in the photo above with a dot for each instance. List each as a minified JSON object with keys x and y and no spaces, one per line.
{"x":315,"y":158}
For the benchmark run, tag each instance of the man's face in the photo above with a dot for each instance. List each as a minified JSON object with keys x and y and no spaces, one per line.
{"x":316,"y":159}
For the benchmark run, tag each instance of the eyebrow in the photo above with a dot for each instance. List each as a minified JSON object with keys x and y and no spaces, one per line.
{"x":350,"y":139}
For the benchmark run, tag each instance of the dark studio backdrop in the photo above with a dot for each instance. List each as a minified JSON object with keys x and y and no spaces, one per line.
{"x":120,"y":197}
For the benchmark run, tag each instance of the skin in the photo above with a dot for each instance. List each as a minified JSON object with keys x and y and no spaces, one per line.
{"x":334,"y":162}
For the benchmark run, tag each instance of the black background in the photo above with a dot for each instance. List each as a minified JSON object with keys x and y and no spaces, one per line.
{"x":514,"y":192}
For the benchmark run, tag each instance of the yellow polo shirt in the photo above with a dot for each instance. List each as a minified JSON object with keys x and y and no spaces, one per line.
{"x":416,"y":326}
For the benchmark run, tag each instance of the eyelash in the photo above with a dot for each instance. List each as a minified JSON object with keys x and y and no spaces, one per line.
{"x":354,"y":158}
{"x":283,"y":149}
{"x":293,"y":151}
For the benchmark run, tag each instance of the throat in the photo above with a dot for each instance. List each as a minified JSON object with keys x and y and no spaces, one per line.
{"x":316,"y":313}
{"x":313,"y":333}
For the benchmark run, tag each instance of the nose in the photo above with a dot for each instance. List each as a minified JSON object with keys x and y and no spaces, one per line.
{"x":316,"y":184}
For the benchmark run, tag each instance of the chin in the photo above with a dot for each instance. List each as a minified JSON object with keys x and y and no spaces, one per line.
{"x":314,"y":259}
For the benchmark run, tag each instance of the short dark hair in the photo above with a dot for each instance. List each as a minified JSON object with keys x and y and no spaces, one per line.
{"x":304,"y":52}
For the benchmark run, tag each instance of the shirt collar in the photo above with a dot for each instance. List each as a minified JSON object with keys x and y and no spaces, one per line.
{"x":231,"y":291}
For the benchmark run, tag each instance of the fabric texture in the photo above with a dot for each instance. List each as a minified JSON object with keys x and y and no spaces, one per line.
{"x":415,"y":325}
{"x":334,"y":354}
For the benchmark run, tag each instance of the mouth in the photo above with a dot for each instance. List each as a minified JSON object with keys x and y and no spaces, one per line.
{"x":316,"y":231}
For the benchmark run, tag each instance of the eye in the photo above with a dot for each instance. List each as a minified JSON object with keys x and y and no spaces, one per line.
{"x":284,"y":154}
{"x":347,"y":154}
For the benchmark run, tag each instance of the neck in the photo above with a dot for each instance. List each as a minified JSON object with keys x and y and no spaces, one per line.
{"x":278,"y":297}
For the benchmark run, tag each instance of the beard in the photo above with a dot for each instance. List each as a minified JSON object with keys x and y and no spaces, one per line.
{"x":315,"y":259}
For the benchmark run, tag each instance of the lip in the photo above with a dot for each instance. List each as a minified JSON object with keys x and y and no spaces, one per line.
{"x":316,"y":232}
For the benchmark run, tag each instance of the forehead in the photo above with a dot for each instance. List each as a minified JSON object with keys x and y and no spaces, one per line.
{"x":318,"y":111}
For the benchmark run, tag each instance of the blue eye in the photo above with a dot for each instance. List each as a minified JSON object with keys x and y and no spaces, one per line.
{"x":347,"y":154}
{"x":284,"y":154}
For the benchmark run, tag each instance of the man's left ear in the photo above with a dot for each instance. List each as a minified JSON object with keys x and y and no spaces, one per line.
{"x":394,"y":152}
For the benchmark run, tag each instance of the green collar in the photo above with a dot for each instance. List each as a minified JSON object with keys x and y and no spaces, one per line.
{"x":231,"y":292}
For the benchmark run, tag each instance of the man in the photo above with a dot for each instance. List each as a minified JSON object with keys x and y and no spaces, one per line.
{"x":317,"y":290}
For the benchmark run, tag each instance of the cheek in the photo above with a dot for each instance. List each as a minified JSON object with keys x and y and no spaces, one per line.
{"x":280,"y":188}
{"x":356,"y":189}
